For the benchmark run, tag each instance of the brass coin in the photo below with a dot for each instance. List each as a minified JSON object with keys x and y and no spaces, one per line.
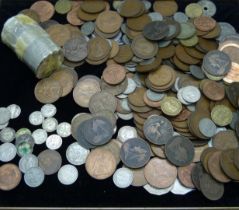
{"x":149,"y":67}
{"x":184,"y":57}
{"x":114,"y":49}
{"x":10,"y":176}
{"x":205,"y":156}
{"x":171,"y":106}
{"x":193,"y":10}
{"x":63,"y":6}
{"x":100,"y":164}
{"x":95,"y":6}
{"x":158,"y":151}
{"x":138,"y":23}
{"x":165,"y":8}
{"x":86,"y":16}
{"x":137,"y":97}
{"x":198,"y":151}
{"x":48,"y":90}
{"x":221,"y":115}
{"x":190,"y":42}
{"x":207,"y":45}
{"x":166,"y":52}
{"x":131,"y":8}
{"x":73,"y":18}
{"x":194,"y":52}
{"x":124,"y":54}
{"x":182,"y":66}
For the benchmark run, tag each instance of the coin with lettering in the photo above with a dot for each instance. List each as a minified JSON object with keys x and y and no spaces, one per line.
{"x":135,"y":153}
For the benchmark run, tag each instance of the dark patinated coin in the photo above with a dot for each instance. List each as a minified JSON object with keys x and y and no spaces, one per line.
{"x":217,"y":63}
{"x":158,"y":129}
{"x":81,"y":138}
{"x":179,"y":150}
{"x":196,"y":71}
{"x":210,"y":188}
{"x":75,"y":49}
{"x":232,"y":92}
{"x":98,"y":130}
{"x":135,"y":153}
{"x":156,"y":30}
{"x":197,"y":172}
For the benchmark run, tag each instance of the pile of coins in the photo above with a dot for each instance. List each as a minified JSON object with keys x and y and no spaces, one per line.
{"x":175,"y":74}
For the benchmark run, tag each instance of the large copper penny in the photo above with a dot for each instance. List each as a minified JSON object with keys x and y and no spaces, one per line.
{"x":213,"y":90}
{"x":10,"y":176}
{"x":100,"y":164}
{"x":185,"y":175}
{"x":204,"y":23}
{"x":114,"y":74}
{"x":48,"y":90}
{"x":44,"y":9}
{"x":160,"y":173}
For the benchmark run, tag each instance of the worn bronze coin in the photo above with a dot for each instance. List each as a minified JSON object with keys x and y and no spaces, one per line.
{"x":124,"y":55}
{"x":95,"y":6}
{"x":213,"y":90}
{"x":48,"y":90}
{"x":179,"y":150}
{"x":156,"y":30}
{"x":135,"y":153}
{"x":185,"y":175}
{"x":10,"y":176}
{"x":197,"y":172}
{"x":184,"y":57}
{"x":100,"y":164}
{"x":131,"y":8}
{"x":114,"y":74}
{"x":165,"y":8}
{"x":44,"y":9}
{"x":139,"y":178}
{"x":160,"y":173}
{"x":204,"y":23}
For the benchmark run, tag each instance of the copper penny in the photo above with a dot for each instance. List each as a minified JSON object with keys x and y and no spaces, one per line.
{"x":205,"y":156}
{"x":158,"y":151}
{"x":139,"y":178}
{"x":44,"y":9}
{"x":215,"y":169}
{"x":95,"y":6}
{"x":10,"y":176}
{"x":213,"y":90}
{"x":124,"y":54}
{"x":165,"y":8}
{"x":160,"y":173}
{"x":73,"y":18}
{"x":185,"y":175}
{"x":204,"y":23}
{"x":48,"y":90}
{"x":100,"y":164}
{"x":136,"y":98}
{"x":114,"y":74}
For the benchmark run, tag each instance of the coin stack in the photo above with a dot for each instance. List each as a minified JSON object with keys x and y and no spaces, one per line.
{"x":169,"y":71}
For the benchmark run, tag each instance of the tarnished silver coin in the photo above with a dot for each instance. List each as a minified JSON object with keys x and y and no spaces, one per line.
{"x":54,"y":142}
{"x":123,"y":177}
{"x":207,"y":127}
{"x":179,"y":189}
{"x":125,"y":116}
{"x":126,"y":132}
{"x":155,"y":16}
{"x":48,"y":110}
{"x":7,"y":134}
{"x":191,"y":94}
{"x":226,"y":30}
{"x":8,"y":152}
{"x":130,"y":87}
{"x":76,"y":154}
{"x":28,"y":161}
{"x":15,"y":110}
{"x":153,"y":96}
{"x":67,"y":174}
{"x":180,"y":17}
{"x":36,"y":118}
{"x":64,"y":129}
{"x":34,"y":177}
{"x":5,"y":115}
{"x":39,"y":136}
{"x":158,"y":129}
{"x":197,"y":72}
{"x":50,"y":124}
{"x":209,"y":8}
{"x":88,"y":28}
{"x":50,"y":161}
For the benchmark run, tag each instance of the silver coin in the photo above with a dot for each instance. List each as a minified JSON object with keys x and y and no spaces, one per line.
{"x":180,"y":17}
{"x":147,"y":4}
{"x":88,"y":28}
{"x":5,"y":115}
{"x":34,"y":177}
{"x":123,"y":177}
{"x":126,"y":40}
{"x":164,"y":43}
{"x":76,"y":154}
{"x":28,"y":161}
{"x":23,"y":131}
{"x":67,"y":174}
{"x":226,"y":30}
{"x":180,"y":97}
{"x":36,"y":118}
{"x":64,"y":129}
{"x":39,"y":136}
{"x":156,"y":191}
{"x":155,"y":16}
{"x":125,"y":116}
{"x":4,"y":125}
{"x":179,"y":189}
{"x":197,"y":72}
{"x":126,"y":132}
{"x":122,"y":96}
{"x":15,"y":110}
{"x":207,"y":127}
{"x":130,"y":87}
{"x":123,"y":27}
{"x":48,"y":110}
{"x":7,"y":134}
{"x":210,"y":143}
{"x":191,"y":107}
{"x":8,"y":152}
{"x":209,"y":8}
{"x":154,"y":96}
{"x":191,"y":94}
{"x":117,"y":4}
{"x":50,"y":124}
{"x":54,"y":142}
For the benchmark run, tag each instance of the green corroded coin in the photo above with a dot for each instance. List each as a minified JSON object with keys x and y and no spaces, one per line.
{"x":187,"y":30}
{"x":63,"y":6}
{"x":190,"y":42}
{"x":24,"y":149}
{"x":22,"y":131}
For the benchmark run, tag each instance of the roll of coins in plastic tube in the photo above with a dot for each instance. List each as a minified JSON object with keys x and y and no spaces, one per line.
{"x":32,"y":45}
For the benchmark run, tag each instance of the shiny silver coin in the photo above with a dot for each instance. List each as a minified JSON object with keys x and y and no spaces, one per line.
{"x":123,"y":177}
{"x":130,"y":87}
{"x":76,"y":154}
{"x":154,"y":96}
{"x":4,"y":125}
{"x":28,"y":161}
{"x":54,"y":142}
{"x":155,"y":16}
{"x":156,"y":191}
{"x":209,"y":8}
{"x":179,"y":189}
{"x":64,"y":129}
{"x":48,"y":110}
{"x":7,"y":134}
{"x":5,"y":115}
{"x":126,"y":132}
{"x":36,"y":118}
{"x":207,"y":127}
{"x":34,"y":177}
{"x":15,"y":110}
{"x":191,"y":94}
{"x":39,"y":136}
{"x":50,"y":124}
{"x":8,"y":152}
{"x":67,"y":174}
